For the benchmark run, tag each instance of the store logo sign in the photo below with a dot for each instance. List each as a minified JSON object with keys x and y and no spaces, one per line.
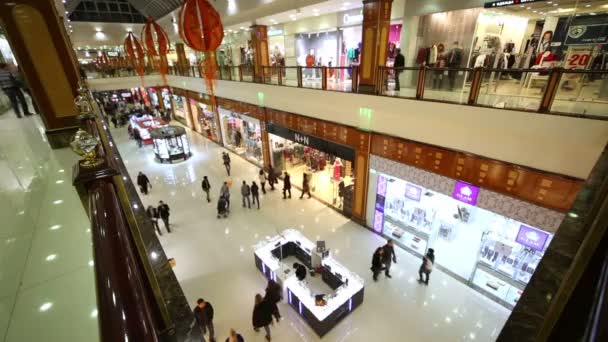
{"x":413,"y":192}
{"x":465,"y":193}
{"x":302,"y":139}
{"x":577,"y":31}
{"x":352,"y":18}
{"x":533,"y":238}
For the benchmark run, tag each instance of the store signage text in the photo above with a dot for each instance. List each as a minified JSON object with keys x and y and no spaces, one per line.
{"x":465,"y":193}
{"x":504,"y":3}
{"x":532,"y":238}
{"x":587,"y":34}
{"x":352,"y":17}
{"x":302,"y":139}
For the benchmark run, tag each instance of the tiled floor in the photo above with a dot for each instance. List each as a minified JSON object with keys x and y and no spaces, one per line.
{"x":214,"y":258}
{"x":47,"y":289}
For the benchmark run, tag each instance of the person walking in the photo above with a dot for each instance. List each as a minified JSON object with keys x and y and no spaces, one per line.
{"x":246,"y":192}
{"x":203,"y":314}
{"x":153,"y":215}
{"x":143,"y":182}
{"x":273,"y":296}
{"x":262,"y":179}
{"x":163,"y":212}
{"x":222,"y":209}
{"x":427,"y":266}
{"x":206,"y":187}
{"x":262,"y":315}
{"x":389,"y":257}
{"x":255,"y":194}
{"x":399,"y":63}
{"x":10,"y":87}
{"x":225,"y":192}
{"x":235,"y":337}
{"x":226,"y":158}
{"x":377,"y":265}
{"x":286,"y":185}
{"x":305,"y":186}
{"x":137,"y":137}
{"x":272,"y":178}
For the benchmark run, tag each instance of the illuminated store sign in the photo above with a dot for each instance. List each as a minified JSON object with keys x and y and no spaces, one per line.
{"x":465,"y":193}
{"x":533,"y":238}
{"x":352,"y":17}
{"x":505,"y":3}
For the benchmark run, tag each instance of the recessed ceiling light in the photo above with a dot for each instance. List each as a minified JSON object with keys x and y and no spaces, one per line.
{"x":534,"y":11}
{"x":522,"y":6}
{"x":592,"y":13}
{"x":528,"y":8}
{"x":587,"y":5}
{"x":549,"y":2}
{"x":55,"y":227}
{"x":294,"y":19}
{"x":573,"y":214}
{"x":45,"y":307}
{"x":242,"y":28}
{"x":555,"y":4}
{"x":51,"y":257}
{"x":316,"y":14}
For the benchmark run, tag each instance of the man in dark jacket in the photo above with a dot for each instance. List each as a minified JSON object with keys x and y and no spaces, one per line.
{"x":377,"y":265}
{"x":206,"y":187}
{"x":246,"y":192}
{"x":286,"y":185}
{"x":272,"y":178}
{"x":203,"y":313}
{"x":10,"y":87}
{"x":163,"y":212}
{"x":300,"y":271}
{"x":399,"y":63}
{"x":389,"y":257}
{"x":137,"y":137}
{"x":143,"y":182}
{"x":273,"y":295}
{"x":305,"y":186}
{"x":226,"y":158}
{"x":255,"y":194}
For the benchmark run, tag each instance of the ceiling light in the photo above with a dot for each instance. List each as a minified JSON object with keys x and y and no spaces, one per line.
{"x":528,"y":8}
{"x":294,"y":19}
{"x":45,"y":307}
{"x":315,"y":10}
{"x":587,"y":5}
{"x":55,"y":227}
{"x":534,"y":11}
{"x":51,"y":257}
{"x":549,"y":2}
{"x":522,"y":6}
{"x":555,"y":4}
{"x":592,"y":13}
{"x":316,"y":14}
{"x":573,"y":214}
{"x":346,"y":3}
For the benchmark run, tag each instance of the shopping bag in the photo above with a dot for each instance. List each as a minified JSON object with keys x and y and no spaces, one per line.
{"x":229,"y":182}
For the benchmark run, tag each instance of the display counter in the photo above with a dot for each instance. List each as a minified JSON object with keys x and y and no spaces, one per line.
{"x":144,"y":124}
{"x":322,"y":310}
{"x":170,"y":143}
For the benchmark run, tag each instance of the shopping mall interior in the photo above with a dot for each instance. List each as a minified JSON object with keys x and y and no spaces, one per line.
{"x":311,"y":170}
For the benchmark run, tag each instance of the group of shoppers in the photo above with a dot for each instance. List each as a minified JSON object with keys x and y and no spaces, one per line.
{"x":264,"y":309}
{"x":384,"y":257}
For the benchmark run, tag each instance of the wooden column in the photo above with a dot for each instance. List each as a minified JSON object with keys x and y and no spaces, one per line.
{"x":259,"y":44}
{"x":159,"y":95}
{"x":376,"y":23}
{"x":44,"y":53}
{"x":361,"y":175}
{"x":265,"y":140}
{"x":182,"y":60}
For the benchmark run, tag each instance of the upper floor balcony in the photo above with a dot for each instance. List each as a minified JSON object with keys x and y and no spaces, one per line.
{"x":581,"y":93}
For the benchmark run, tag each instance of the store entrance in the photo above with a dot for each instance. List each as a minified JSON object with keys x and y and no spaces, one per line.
{"x":330,"y":173}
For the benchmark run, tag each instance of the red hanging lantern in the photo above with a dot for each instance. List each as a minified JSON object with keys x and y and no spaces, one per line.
{"x":136,"y":53}
{"x":201,"y":28}
{"x":156,"y":42}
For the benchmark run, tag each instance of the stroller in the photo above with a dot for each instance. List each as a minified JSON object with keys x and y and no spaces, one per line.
{"x":222,"y":211}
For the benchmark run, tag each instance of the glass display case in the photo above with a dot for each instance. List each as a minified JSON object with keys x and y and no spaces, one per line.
{"x":170,"y":143}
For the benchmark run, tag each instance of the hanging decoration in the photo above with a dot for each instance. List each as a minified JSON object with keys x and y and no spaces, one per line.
{"x":136,"y":53}
{"x":201,"y":28}
{"x":156,"y":42}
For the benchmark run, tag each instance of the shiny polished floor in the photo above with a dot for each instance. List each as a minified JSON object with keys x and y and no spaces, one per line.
{"x":214,"y":258}
{"x":47,"y":288}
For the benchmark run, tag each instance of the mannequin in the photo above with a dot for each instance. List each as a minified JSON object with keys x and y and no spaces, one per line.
{"x":338,"y":169}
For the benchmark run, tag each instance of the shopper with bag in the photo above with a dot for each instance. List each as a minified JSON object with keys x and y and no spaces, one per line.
{"x":206,"y":187}
{"x":427,"y":266}
{"x":246,"y":192}
{"x":262,"y":315}
{"x":377,"y":265}
{"x":143,"y":182}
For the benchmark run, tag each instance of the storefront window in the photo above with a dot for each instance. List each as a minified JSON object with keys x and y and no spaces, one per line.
{"x":208,"y":122}
{"x":330,"y":176}
{"x":180,"y":110}
{"x":166,"y":98}
{"x":242,"y":134}
{"x":494,"y":253}
{"x":153,"y":96}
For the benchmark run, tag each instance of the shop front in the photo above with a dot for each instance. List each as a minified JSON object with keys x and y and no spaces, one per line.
{"x":204,"y":117}
{"x":328,"y":166}
{"x":242,"y":134}
{"x":490,"y":241}
{"x":180,"y":105}
{"x":159,"y":97}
